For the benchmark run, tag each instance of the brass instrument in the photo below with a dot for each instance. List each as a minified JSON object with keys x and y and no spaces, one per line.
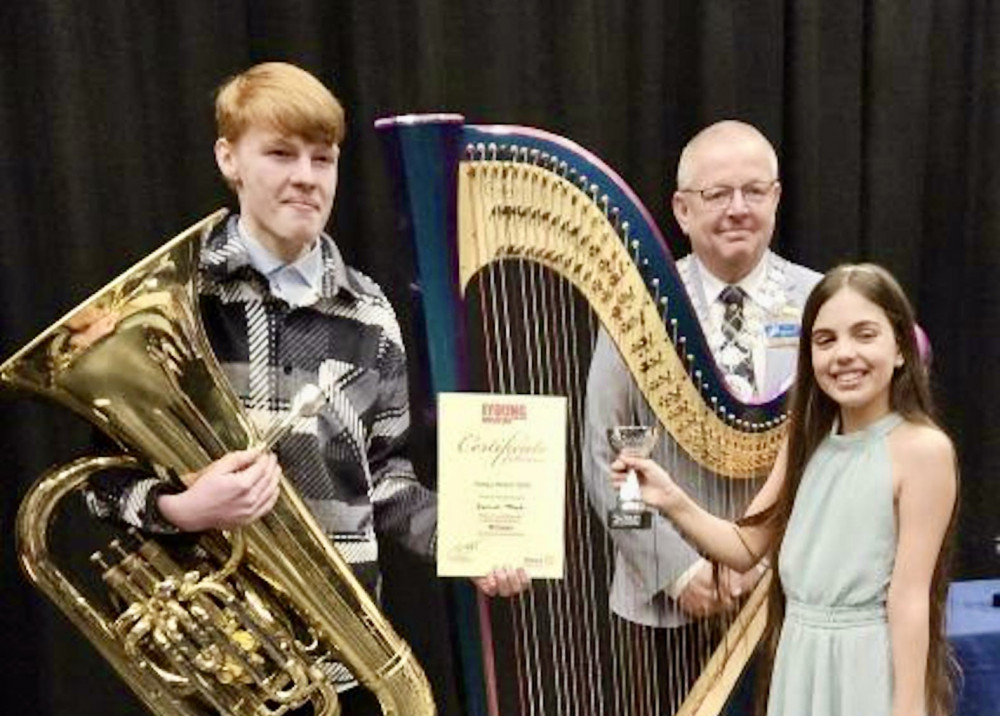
{"x":250,"y":623}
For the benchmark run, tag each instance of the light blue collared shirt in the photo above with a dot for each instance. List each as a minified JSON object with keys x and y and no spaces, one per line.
{"x":298,"y":283}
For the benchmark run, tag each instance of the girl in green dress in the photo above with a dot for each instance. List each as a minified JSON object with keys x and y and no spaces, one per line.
{"x":856,"y":511}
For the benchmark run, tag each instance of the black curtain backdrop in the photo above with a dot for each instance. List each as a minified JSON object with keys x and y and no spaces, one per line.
{"x":886,"y":117}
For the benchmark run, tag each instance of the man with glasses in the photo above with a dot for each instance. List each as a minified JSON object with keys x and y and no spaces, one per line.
{"x":749,"y":302}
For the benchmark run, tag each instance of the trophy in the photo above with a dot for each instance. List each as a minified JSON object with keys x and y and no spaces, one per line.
{"x":631,"y":512}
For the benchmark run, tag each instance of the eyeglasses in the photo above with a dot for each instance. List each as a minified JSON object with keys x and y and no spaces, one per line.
{"x":754,"y":193}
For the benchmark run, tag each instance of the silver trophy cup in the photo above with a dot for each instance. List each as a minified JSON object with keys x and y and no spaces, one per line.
{"x":637,"y":441}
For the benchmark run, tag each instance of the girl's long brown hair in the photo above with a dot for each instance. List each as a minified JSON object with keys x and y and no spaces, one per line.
{"x":812,"y":416}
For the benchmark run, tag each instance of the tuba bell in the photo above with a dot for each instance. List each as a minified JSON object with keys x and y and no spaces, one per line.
{"x":244,"y":622}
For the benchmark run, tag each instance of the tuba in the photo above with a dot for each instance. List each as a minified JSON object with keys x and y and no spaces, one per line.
{"x":247,"y":621}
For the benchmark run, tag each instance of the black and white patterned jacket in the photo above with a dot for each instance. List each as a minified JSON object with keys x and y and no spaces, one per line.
{"x":348,"y":463}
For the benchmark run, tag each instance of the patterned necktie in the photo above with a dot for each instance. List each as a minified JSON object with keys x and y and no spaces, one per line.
{"x":736,"y":353}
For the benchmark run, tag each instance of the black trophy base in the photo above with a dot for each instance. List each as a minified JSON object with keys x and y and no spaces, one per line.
{"x":630,"y":520}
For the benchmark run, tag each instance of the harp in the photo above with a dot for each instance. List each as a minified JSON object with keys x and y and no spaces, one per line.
{"x":526,"y":244}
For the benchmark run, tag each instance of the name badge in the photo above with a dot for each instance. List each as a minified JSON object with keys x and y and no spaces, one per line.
{"x":782,"y":334}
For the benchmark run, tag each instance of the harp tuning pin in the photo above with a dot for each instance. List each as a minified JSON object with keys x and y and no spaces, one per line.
{"x":535,"y":156}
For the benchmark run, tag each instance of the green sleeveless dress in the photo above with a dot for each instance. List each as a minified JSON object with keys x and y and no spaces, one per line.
{"x":834,"y":656}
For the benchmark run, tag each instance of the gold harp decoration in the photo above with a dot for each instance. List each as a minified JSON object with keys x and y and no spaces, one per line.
{"x":249,"y":628}
{"x":552,"y":222}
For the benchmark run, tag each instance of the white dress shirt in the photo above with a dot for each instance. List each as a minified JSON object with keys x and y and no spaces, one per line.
{"x":299,"y":283}
{"x":754,"y":311}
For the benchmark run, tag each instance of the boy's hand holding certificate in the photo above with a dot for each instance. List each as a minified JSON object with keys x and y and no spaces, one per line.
{"x":501,"y":483}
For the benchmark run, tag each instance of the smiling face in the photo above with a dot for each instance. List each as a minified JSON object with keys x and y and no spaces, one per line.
{"x":731,"y":239}
{"x":854,"y":356}
{"x":285,"y":183}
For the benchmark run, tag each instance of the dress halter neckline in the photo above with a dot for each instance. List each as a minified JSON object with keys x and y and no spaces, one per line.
{"x":877,"y":429}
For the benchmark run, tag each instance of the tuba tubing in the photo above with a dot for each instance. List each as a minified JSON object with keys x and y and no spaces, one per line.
{"x":135,"y":361}
{"x":33,"y":518}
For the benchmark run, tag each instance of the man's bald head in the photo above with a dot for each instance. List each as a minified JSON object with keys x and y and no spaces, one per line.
{"x":727,"y":133}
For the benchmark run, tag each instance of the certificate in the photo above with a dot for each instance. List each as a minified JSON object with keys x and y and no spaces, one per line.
{"x":501,"y":483}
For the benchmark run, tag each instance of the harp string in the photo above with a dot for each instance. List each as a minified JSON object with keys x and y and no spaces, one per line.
{"x":530,"y":314}
{"x":581,"y":579}
{"x":563,"y":626}
{"x":527,"y":612}
{"x":496,"y":324}
{"x":655,"y":661}
{"x":531,"y":322}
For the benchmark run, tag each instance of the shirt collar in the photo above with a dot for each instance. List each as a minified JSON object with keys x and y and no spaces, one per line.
{"x":308,"y":267}
{"x":227,"y":251}
{"x":752,"y":283}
